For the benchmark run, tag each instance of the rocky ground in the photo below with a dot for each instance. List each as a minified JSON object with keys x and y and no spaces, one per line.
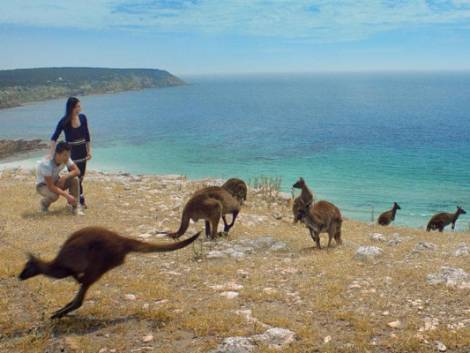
{"x":261,"y":289}
{"x":9,"y":148}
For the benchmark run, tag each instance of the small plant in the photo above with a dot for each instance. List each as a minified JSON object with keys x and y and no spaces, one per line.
{"x":267,"y":187}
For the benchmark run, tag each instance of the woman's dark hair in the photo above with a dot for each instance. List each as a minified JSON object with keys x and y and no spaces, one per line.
{"x":62,"y":146}
{"x":69,"y":107}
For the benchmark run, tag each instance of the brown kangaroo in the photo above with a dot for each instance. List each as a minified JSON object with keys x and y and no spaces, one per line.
{"x":237,"y":188}
{"x":305,"y":198}
{"x":210,"y":204}
{"x":389,"y":216}
{"x":441,"y":220}
{"x":86,"y":255}
{"x":322,"y":217}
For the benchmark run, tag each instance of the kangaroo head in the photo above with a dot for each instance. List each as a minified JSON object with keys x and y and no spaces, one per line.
{"x":396,"y":206}
{"x":460,"y":210}
{"x":299,"y":183}
{"x":31,"y":268}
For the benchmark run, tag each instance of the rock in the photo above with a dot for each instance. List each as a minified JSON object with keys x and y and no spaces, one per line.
{"x":11,"y":147}
{"x":327,"y":339}
{"x":145,"y":235}
{"x":230,"y":294}
{"x":451,"y":277}
{"x":243,"y":247}
{"x":275,"y":338}
{"x":230,"y":286}
{"x":269,"y":290}
{"x":365,"y":253}
{"x":279,"y":246}
{"x":395,"y":240}
{"x":277,"y":216}
{"x":377,"y":237}
{"x":235,"y":345}
{"x":163,"y":301}
{"x":216,"y":254}
{"x":395,"y":324}
{"x":148,"y":338}
{"x":424,"y":246}
{"x":430,"y":324}
{"x":130,"y":297}
{"x":461,"y":250}
{"x":441,"y":346}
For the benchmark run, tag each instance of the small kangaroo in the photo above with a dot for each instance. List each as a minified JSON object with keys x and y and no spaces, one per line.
{"x":86,"y":255}
{"x":210,"y":204}
{"x":389,"y":216}
{"x":441,"y":220}
{"x":305,"y":198}
{"x":322,"y":217}
{"x":237,"y":188}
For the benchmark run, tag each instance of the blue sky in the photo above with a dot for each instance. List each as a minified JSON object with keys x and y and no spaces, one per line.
{"x":237,"y":36}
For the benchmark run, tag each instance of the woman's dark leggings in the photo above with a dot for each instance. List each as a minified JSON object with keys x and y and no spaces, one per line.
{"x":82,"y":167}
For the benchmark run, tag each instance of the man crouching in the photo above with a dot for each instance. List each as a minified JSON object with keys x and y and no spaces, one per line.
{"x":51,"y":185}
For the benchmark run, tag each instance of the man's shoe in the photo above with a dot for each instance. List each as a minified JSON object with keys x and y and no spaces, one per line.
{"x":77,"y":211}
{"x":43,"y":208}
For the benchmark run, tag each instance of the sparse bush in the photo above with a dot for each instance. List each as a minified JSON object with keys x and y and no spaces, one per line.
{"x":266,"y":186}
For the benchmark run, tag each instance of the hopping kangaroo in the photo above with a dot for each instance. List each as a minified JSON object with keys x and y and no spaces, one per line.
{"x":389,"y":216}
{"x":322,"y":217}
{"x":442,"y":220}
{"x":86,"y":255}
{"x":305,"y":198}
{"x":209,"y":204}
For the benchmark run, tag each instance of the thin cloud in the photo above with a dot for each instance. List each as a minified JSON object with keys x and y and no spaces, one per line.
{"x":319,"y":20}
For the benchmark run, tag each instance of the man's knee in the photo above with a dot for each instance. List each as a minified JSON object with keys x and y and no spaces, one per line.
{"x":53,"y":197}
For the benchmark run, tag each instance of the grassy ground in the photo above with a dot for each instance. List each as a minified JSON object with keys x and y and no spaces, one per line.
{"x":314,"y":293}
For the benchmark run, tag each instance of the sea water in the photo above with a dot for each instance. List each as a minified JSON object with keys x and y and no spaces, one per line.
{"x":360,"y":140}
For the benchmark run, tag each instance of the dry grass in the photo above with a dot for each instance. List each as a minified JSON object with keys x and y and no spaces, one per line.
{"x":304,"y":290}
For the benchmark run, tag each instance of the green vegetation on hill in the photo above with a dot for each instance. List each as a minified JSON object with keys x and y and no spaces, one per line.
{"x":27,"y":85}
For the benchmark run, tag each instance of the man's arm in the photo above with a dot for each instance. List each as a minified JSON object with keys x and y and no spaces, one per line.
{"x":73,"y":171}
{"x":52,"y":187}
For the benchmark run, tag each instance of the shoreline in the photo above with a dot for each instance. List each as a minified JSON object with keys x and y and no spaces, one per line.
{"x":116,"y":175}
{"x":27,"y":103}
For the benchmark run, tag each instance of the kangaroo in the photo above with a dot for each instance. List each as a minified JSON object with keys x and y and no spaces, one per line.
{"x":305,"y":198}
{"x":210,"y":204}
{"x":86,"y":255}
{"x":441,"y":220}
{"x":389,"y":216}
{"x":237,"y":188}
{"x":322,"y":217}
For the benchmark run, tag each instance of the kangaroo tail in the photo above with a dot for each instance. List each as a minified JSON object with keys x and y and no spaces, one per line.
{"x":140,"y":246}
{"x":182,"y":229}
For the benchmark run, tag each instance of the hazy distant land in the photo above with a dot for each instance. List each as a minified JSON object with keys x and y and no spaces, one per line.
{"x":27,"y":85}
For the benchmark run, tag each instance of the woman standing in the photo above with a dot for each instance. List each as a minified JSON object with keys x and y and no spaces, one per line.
{"x":75,"y":127}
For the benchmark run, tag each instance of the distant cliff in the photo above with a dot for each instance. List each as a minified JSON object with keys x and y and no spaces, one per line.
{"x":28,"y":85}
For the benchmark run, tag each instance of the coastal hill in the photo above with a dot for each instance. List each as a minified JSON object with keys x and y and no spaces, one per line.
{"x":27,"y":85}
{"x":260,"y":289}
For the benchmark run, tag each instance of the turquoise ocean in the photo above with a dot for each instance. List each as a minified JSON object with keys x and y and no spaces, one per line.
{"x":360,"y":140}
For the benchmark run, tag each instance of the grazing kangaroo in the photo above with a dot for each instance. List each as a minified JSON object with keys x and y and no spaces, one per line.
{"x":322,"y":217}
{"x":209,"y":204}
{"x":305,"y":198}
{"x":442,"y":220}
{"x":389,"y":216}
{"x":86,"y":255}
{"x":237,"y":188}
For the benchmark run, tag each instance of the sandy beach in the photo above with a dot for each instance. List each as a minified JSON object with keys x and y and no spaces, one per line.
{"x":261,"y":289}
